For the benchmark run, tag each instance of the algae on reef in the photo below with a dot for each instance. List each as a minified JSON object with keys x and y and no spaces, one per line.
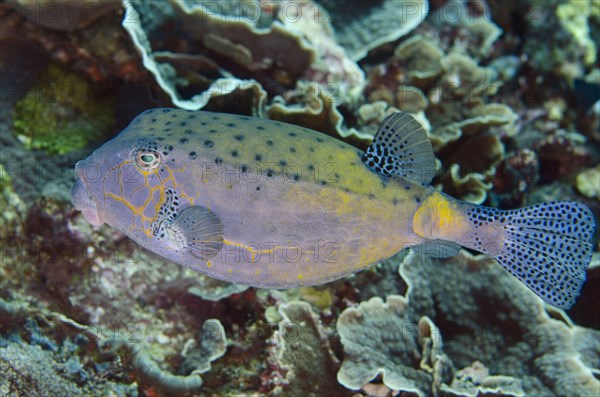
{"x":62,"y":112}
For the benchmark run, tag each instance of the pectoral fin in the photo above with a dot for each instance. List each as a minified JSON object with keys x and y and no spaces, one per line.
{"x":196,"y":230}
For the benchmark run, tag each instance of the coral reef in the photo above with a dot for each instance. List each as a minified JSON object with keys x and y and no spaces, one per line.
{"x":501,"y":341}
{"x":12,"y":207}
{"x":224,"y":42}
{"x":380,"y":338}
{"x":65,"y":15}
{"x":303,"y":354}
{"x":439,"y":78}
{"x":559,"y":38}
{"x":588,"y":182}
{"x":211,"y":289}
{"x":364,"y":26}
{"x":61,"y":112}
{"x":212,"y":346}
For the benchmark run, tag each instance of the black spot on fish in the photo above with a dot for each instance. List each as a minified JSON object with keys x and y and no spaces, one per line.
{"x":170,"y":147}
{"x":215,"y":117}
{"x":270,"y":173}
{"x":312,"y":149}
{"x":239,"y":137}
{"x":166,"y":110}
{"x":234,"y":153}
{"x":291,"y":133}
{"x":342,"y":146}
{"x":244,"y":168}
{"x":188,"y":132}
{"x":203,"y":123}
{"x":257,"y":157}
{"x":160,"y":138}
{"x":174,"y":115}
{"x":231,"y":125}
{"x":209,"y":143}
{"x":168,"y":123}
{"x":153,"y":120}
{"x":165,"y":152}
{"x":347,"y":190}
{"x":182,"y":124}
{"x":371,"y":196}
{"x":192,"y":155}
{"x":191,"y":117}
{"x":258,"y":188}
{"x":296,"y":177}
{"x":167,"y":129}
{"x":260,"y":127}
{"x":320,"y":140}
{"x":395,"y":201}
{"x":212,"y":131}
{"x":293,"y":149}
{"x":183,"y":140}
{"x":218,"y":160}
{"x":407,"y":187}
{"x":323,"y":183}
{"x":269,"y":143}
{"x":337,"y":175}
{"x":282,"y":163}
{"x":418,"y":199}
{"x":311,"y":167}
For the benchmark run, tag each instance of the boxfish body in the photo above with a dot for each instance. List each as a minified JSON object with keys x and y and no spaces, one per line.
{"x":274,"y":205}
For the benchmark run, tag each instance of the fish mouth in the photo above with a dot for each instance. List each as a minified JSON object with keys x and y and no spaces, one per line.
{"x":83,"y":202}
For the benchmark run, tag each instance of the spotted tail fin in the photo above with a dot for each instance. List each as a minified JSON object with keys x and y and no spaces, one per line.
{"x":546,"y":246}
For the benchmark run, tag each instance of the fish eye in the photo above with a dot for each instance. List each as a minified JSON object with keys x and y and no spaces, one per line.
{"x":147,"y":160}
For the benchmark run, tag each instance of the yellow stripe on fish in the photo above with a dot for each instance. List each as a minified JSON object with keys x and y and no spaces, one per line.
{"x":274,"y":205}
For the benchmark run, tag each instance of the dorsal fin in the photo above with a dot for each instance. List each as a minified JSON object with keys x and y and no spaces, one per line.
{"x":401,"y":148}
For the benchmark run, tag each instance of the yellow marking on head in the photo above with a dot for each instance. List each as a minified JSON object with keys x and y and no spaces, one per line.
{"x":209,"y":264}
{"x":150,"y":200}
{"x":257,"y":272}
{"x":300,"y":277}
{"x":229,"y":271}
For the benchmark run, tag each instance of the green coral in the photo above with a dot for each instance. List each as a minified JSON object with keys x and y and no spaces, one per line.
{"x":62,"y":112}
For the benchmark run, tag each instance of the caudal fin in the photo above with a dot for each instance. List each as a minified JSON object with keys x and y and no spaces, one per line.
{"x":546,"y":246}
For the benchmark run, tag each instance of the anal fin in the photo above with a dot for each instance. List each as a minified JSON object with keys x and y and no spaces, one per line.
{"x":439,"y":249}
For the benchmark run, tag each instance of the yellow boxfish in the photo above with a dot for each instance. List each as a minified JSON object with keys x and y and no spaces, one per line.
{"x":275,"y":205}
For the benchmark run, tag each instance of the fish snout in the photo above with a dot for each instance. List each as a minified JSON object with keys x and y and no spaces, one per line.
{"x":83,"y":202}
